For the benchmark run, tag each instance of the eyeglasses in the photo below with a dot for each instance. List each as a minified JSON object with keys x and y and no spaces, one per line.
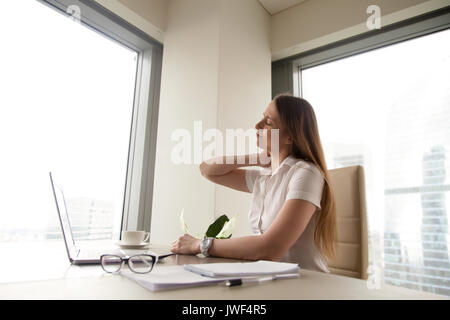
{"x":139,"y":263}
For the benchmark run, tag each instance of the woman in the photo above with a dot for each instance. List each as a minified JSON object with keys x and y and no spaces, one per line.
{"x":293,"y":213}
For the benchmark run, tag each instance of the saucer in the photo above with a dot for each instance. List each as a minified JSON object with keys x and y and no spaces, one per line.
{"x":127,"y":245}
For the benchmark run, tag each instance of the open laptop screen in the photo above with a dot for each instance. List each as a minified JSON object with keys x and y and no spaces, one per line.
{"x":64,"y":218}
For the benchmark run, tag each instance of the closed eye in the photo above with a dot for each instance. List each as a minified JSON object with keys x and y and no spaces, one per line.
{"x":267,"y":120}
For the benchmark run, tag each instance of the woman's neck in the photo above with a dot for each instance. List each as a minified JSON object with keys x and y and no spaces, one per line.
{"x":276,"y":161}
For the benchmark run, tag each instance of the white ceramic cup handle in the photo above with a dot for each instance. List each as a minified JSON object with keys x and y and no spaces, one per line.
{"x":147,"y":236}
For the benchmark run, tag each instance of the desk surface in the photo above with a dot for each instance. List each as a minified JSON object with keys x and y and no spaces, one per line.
{"x":91,"y":282}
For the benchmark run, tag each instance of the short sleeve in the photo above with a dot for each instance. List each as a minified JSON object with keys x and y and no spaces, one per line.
{"x":250,"y":178}
{"x":306,"y":184}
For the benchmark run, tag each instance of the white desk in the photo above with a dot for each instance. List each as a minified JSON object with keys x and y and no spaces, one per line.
{"x":91,"y":282}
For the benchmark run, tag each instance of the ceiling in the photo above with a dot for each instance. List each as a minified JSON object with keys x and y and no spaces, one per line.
{"x":275,"y":6}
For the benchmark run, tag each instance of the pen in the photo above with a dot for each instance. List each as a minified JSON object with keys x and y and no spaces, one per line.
{"x":255,"y":281}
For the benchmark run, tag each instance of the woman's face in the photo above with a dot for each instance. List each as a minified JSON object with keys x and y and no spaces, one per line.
{"x":266,"y":126}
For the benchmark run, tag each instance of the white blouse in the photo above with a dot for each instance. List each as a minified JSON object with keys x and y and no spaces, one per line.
{"x":293,"y":179}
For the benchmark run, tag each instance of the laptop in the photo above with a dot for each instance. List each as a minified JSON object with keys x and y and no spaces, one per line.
{"x":76,"y":255}
{"x":87,"y":256}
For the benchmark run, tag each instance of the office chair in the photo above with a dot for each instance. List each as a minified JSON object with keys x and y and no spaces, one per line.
{"x":352,"y":238}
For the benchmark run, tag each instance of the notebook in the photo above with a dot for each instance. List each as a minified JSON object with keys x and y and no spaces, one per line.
{"x":242,"y":269}
{"x":176,"y":277}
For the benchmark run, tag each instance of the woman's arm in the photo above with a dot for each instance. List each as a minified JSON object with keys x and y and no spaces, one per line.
{"x":246,"y":248}
{"x":222,"y":165}
{"x":287,"y":227}
{"x":225,"y":170}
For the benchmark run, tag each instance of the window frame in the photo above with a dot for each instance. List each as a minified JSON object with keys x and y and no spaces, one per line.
{"x":286,"y":73}
{"x":138,"y":192}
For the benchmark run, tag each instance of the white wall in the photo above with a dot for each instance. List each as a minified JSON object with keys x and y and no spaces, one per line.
{"x":244,"y":86}
{"x":154,"y":11}
{"x":189,"y":92}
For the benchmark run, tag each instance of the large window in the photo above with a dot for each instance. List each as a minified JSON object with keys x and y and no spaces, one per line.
{"x":71,"y":98}
{"x":389,"y":110}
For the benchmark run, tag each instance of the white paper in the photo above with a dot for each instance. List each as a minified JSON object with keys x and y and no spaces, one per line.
{"x":242,"y":269}
{"x":175,"y":277}
{"x":170,"y":277}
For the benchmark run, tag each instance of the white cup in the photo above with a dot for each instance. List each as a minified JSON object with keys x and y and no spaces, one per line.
{"x":135,"y":237}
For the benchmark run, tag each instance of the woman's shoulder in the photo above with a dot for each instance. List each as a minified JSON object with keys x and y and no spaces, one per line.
{"x":301,"y":165}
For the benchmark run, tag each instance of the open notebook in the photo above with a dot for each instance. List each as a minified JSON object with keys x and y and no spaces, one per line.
{"x":176,"y":277}
{"x":242,"y":269}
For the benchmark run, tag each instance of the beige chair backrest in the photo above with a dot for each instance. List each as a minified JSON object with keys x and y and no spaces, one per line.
{"x":352,"y":239}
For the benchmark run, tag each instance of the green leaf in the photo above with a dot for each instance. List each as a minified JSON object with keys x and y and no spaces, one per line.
{"x":216,"y":226}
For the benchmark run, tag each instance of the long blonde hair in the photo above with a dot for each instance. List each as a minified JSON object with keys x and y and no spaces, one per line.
{"x":299,"y":120}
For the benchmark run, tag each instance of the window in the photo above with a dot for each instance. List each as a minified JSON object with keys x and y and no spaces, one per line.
{"x":79,"y":98}
{"x":390,"y":114}
{"x":382,"y":101}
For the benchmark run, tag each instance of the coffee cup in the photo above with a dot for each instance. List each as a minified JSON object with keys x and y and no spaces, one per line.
{"x":135,"y":237}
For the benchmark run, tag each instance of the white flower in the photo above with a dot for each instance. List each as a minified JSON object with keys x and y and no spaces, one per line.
{"x":227,"y":229}
{"x":184,"y":227}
